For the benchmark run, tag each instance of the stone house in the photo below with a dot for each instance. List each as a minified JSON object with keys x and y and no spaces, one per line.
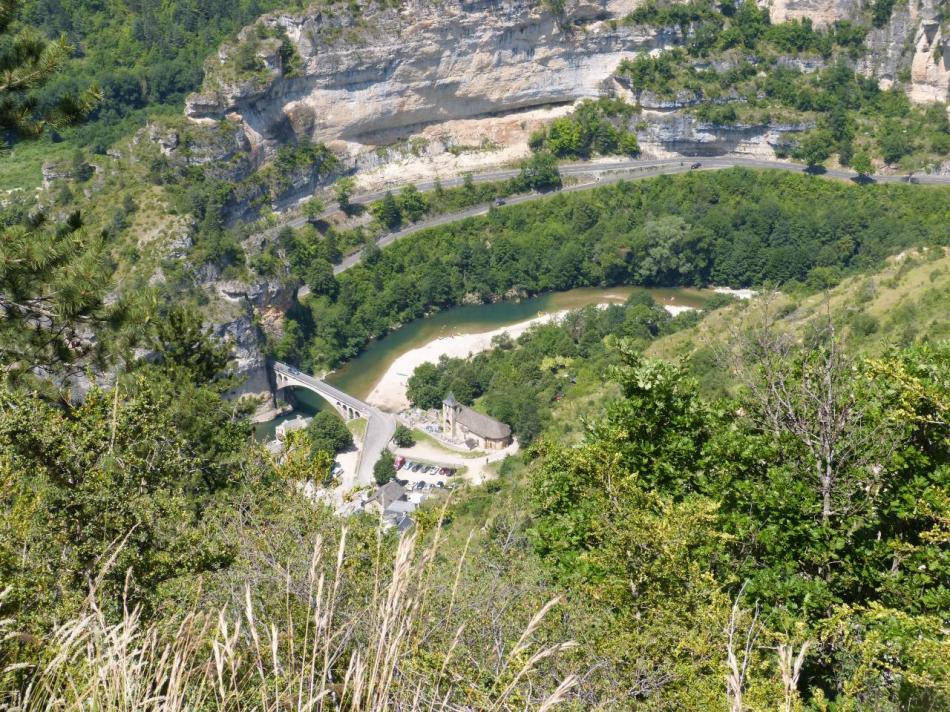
{"x":459,"y":422}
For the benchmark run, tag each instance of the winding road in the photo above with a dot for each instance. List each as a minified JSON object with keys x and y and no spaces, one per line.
{"x":600,"y":172}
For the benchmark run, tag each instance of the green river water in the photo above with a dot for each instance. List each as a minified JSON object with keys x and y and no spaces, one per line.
{"x":359,"y":376}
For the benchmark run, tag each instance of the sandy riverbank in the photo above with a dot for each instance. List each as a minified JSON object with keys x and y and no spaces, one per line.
{"x":390,"y":393}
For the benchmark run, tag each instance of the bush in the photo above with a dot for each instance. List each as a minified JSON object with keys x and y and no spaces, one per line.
{"x":864,"y":324}
{"x":881,"y":12}
{"x":540,"y":172}
{"x":719,"y":114}
{"x":814,"y":148}
{"x":862,"y":163}
{"x":412,"y":204}
{"x":385,"y":468}
{"x":328,"y":433}
{"x":895,"y":142}
{"x":403,"y":437}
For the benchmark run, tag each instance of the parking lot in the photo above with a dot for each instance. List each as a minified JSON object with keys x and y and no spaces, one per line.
{"x":422,"y":476}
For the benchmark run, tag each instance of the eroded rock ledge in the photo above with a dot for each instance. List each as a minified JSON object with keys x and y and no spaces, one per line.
{"x":367,"y":80}
{"x":391,"y":72}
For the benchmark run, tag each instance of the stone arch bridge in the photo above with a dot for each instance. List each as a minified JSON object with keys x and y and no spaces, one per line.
{"x":379,"y":426}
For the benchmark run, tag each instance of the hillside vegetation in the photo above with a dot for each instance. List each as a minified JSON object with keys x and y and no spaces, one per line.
{"x":143,"y":55}
{"x":734,"y":227}
{"x":762,"y":525}
{"x":903,"y":303}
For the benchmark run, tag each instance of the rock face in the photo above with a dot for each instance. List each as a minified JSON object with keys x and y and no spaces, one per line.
{"x":930,"y":67}
{"x":914,"y":44}
{"x":674,"y":133}
{"x":820,"y":12}
{"x":246,"y":335}
{"x":423,"y":64}
{"x":369,"y":80}
{"x":912,"y":41}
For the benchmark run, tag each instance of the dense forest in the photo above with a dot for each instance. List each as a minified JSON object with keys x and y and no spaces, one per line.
{"x":735,"y":227}
{"x":144,"y":55}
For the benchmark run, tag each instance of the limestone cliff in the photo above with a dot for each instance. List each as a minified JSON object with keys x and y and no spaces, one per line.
{"x":912,"y":43}
{"x":256,"y":309}
{"x":930,"y":67}
{"x":820,"y":12}
{"x":372,"y":79}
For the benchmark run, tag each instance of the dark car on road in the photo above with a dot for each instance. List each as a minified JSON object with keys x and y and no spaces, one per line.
{"x":696,"y":165}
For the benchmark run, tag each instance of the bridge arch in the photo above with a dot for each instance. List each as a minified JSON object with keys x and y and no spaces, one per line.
{"x":379,"y":426}
{"x":347,"y":406}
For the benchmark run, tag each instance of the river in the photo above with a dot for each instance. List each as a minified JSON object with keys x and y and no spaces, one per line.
{"x":360,"y":375}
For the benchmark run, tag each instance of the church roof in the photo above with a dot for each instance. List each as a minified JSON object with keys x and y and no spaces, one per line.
{"x":482,"y":424}
{"x":450,"y":400}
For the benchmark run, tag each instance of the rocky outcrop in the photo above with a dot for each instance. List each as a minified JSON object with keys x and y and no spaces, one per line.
{"x":222,"y":149}
{"x":369,"y":80}
{"x":915,"y":49}
{"x":930,"y":66}
{"x":821,"y":12}
{"x":53,"y":171}
{"x":684,"y":134}
{"x":245,"y":334}
{"x":422,"y":64}
{"x":911,"y":48}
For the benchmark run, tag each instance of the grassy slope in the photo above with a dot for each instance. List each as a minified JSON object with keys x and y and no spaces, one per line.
{"x":908,"y":299}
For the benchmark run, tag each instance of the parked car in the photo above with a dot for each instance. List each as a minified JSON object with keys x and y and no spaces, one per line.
{"x":499,"y":201}
{"x":696,"y":165}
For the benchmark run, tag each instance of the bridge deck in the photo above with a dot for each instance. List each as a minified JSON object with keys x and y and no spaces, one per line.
{"x":321,"y":387}
{"x":379,"y":426}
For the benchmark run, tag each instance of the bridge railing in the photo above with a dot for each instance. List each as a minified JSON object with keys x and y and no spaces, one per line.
{"x":322,"y":388}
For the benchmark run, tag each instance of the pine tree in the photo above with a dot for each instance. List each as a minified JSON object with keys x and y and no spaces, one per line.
{"x":387,"y":211}
{"x":27,"y":62}
{"x":52,"y":277}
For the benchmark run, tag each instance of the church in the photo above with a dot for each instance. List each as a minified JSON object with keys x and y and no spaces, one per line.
{"x":459,"y":422}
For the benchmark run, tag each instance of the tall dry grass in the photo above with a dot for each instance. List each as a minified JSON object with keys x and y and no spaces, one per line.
{"x":240,"y":660}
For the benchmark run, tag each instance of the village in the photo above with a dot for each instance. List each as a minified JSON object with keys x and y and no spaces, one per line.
{"x":447,"y":448}
{"x":431,"y":452}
